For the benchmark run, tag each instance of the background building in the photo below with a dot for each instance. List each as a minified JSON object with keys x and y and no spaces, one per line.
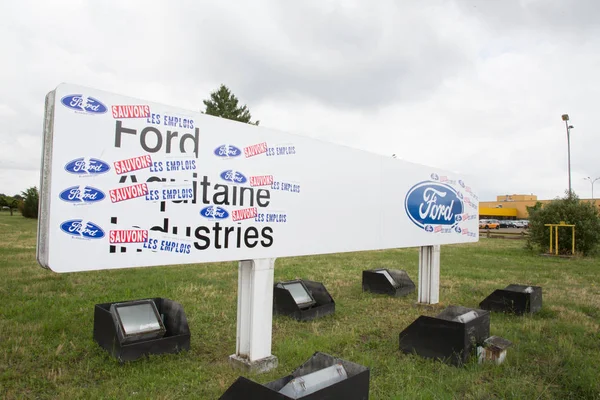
{"x":513,"y":206}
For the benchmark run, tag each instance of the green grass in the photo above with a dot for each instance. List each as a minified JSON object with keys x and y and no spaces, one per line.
{"x":46,"y":322}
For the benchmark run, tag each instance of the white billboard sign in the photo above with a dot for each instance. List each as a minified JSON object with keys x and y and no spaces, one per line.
{"x":130,"y":183}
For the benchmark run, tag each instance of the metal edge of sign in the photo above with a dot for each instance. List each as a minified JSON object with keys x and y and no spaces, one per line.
{"x":45,"y":182}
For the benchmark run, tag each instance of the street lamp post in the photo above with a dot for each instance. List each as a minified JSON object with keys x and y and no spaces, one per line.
{"x":565,"y":117}
{"x":592,"y":181}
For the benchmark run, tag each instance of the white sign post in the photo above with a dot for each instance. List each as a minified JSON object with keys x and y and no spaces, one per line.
{"x":429,"y":274}
{"x":138,"y":184}
{"x":254,"y":315}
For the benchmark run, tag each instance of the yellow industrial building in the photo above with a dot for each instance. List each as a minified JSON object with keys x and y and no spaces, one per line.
{"x":513,"y":206}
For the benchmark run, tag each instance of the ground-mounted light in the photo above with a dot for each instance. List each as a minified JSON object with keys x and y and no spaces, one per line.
{"x":450,"y":336}
{"x":302,"y":300}
{"x":517,"y":299}
{"x":393,"y":282}
{"x":321,"y":377}
{"x":493,"y":349}
{"x":132,"y":329}
{"x":137,"y":321}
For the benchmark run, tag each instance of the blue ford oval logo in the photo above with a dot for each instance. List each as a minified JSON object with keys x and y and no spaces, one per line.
{"x":227,"y":150}
{"x":81,"y":166}
{"x":433,"y":203}
{"x":80,"y":194}
{"x":86,"y":104}
{"x":214,"y":212}
{"x":76,"y":227}
{"x":233,"y":176}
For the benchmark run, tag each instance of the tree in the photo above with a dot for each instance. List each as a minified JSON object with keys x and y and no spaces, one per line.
{"x":10,"y":202}
{"x":584,"y":215}
{"x":30,"y":203}
{"x":224,"y":104}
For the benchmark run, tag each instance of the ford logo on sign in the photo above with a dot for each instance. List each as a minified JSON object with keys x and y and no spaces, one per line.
{"x":81,"y":166}
{"x":214,"y":212}
{"x":233,"y":176}
{"x":80,"y":194}
{"x":227,"y":150}
{"x":433,"y":203}
{"x":88,"y":105}
{"x":76,"y":227}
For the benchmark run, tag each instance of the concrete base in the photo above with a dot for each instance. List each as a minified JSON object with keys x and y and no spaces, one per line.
{"x":258,"y":366}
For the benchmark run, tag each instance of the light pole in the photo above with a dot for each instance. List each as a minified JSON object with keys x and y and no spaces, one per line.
{"x":565,"y":117}
{"x":592,"y":181}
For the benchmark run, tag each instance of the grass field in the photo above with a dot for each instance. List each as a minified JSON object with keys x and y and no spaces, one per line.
{"x":46,"y":322}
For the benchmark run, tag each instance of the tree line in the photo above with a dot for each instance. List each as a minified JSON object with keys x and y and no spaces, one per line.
{"x":26,"y":203}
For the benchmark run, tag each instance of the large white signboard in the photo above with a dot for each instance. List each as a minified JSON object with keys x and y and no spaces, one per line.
{"x":129,"y":183}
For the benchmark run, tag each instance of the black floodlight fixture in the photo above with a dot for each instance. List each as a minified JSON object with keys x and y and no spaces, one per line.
{"x":393,"y":282}
{"x":302,"y":300}
{"x":517,"y":299}
{"x":450,"y":336}
{"x":129,"y":330}
{"x":321,"y":377}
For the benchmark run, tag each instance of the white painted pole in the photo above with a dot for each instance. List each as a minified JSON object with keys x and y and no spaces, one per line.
{"x":255,"y":315}
{"x":429,"y":274}
{"x":423,"y":274}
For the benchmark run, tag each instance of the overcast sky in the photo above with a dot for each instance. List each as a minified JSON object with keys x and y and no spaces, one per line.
{"x":475,"y":87}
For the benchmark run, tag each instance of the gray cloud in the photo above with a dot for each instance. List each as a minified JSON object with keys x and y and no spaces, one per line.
{"x":364,"y":57}
{"x":548,"y":16}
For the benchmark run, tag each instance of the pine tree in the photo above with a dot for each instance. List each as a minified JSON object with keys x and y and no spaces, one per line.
{"x":223,"y":103}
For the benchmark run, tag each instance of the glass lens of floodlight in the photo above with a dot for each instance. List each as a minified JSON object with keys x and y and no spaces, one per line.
{"x":138,"y":318}
{"x":298,"y":292}
{"x":466,"y":317}
{"x":387,"y":275}
{"x":310,"y":383}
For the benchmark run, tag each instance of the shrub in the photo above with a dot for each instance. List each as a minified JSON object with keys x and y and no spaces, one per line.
{"x":30,"y":203}
{"x":584,"y":215}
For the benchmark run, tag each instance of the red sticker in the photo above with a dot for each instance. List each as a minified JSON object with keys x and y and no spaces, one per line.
{"x":245,"y":213}
{"x":262,"y":180}
{"x":137,"y":111}
{"x":132,"y":164}
{"x":128,"y":192}
{"x":255,"y":149}
{"x":128,"y":236}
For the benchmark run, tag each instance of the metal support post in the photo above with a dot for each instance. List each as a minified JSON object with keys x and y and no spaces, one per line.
{"x":255,"y":316}
{"x":429,"y":274}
